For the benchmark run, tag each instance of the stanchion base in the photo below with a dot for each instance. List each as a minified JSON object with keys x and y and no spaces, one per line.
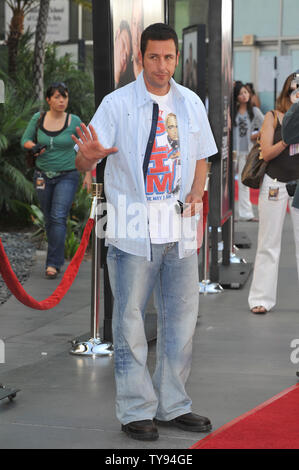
{"x":208,"y":287}
{"x":92,"y":348}
{"x":234,"y":259}
{"x":9,"y":393}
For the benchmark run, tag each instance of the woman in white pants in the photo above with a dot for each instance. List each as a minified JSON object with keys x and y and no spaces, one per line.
{"x":283,"y":166}
{"x":247,"y":123}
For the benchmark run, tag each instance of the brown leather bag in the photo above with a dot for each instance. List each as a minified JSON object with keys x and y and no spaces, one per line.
{"x":255,"y":167}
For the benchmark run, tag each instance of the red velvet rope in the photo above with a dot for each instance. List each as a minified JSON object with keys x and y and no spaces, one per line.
{"x":18,"y":291}
{"x":205,"y":201}
{"x":205,"y":212}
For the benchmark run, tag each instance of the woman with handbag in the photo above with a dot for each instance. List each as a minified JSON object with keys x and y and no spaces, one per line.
{"x":55,"y":177}
{"x":282,"y":167}
{"x":248,"y":120}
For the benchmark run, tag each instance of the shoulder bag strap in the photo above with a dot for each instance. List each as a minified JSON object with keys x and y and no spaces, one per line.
{"x":151,"y":139}
{"x":41,"y":116}
{"x":275,"y":118}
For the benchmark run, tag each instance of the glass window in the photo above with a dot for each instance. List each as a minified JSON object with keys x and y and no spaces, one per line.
{"x":295,"y":59}
{"x":242,"y":66}
{"x":290,"y":18}
{"x":257,"y":17}
{"x":181,"y":22}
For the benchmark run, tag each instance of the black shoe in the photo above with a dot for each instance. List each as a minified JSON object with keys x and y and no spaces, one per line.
{"x":189,"y":422}
{"x":141,"y":430}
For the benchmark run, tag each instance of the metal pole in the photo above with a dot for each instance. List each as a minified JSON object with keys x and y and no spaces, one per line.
{"x":94,"y":347}
{"x":206,"y":286}
{"x":233,"y":257}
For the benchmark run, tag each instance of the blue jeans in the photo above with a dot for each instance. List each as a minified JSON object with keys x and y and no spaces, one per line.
{"x":175,"y":285}
{"x":55,"y":198}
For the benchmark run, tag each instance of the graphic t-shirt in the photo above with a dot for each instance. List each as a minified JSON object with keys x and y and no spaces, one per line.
{"x":243,"y":125}
{"x":163,"y":180}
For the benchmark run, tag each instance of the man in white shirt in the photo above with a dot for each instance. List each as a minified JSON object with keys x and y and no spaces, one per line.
{"x":159,"y":254}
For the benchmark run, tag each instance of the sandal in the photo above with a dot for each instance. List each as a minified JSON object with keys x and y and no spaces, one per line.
{"x":259,"y":310}
{"x":51,"y":272}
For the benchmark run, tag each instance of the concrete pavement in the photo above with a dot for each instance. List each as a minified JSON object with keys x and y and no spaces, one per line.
{"x":239,"y":361}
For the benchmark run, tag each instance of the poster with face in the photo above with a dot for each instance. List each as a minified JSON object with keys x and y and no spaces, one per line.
{"x":227,"y":85}
{"x":129,"y":19}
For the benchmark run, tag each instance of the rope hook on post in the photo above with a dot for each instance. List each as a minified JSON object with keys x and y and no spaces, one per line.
{"x":94,"y":347}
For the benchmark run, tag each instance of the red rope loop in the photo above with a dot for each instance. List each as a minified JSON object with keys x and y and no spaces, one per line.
{"x":19,"y":292}
{"x":202,"y":223}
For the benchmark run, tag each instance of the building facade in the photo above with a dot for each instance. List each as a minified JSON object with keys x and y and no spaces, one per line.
{"x":266,"y":37}
{"x":266,"y":44}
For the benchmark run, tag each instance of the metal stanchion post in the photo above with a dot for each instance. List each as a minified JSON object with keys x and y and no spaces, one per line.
{"x":233,"y":256}
{"x":206,"y":286}
{"x":94,"y":346}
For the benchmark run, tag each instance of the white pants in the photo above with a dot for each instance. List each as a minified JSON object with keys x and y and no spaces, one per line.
{"x":271,"y":218}
{"x":245,"y":206}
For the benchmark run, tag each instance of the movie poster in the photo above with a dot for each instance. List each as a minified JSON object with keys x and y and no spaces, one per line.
{"x":129,"y":19}
{"x":190,"y":62}
{"x":226,"y":68}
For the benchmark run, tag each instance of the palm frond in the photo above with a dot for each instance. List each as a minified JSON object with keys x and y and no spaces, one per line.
{"x":24,"y":187}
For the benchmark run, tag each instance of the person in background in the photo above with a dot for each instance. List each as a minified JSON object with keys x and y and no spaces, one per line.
{"x":55,"y":177}
{"x":283,"y":167}
{"x":247,"y":123}
{"x":254,"y":99}
{"x":290,"y":135}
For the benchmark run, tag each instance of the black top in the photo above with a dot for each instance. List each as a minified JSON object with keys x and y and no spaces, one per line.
{"x":290,"y":128}
{"x":283,"y":167}
{"x":53,"y":133}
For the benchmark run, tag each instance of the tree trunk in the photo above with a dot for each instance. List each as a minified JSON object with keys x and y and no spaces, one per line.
{"x":39,"y":50}
{"x":16,"y":29}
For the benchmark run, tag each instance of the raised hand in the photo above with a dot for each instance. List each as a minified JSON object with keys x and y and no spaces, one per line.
{"x":89,"y":144}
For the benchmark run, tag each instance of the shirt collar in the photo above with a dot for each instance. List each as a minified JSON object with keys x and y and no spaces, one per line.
{"x":143,"y":95}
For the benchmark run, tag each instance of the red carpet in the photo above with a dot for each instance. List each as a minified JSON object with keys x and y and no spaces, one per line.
{"x":272,"y":425}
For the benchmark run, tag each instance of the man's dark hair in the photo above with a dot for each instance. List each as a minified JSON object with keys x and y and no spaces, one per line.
{"x":158,"y":32}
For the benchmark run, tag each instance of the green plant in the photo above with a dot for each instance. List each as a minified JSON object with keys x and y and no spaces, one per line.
{"x":34,"y":214}
{"x":15,"y":113}
{"x":78,"y":217}
{"x":13,"y":119}
{"x":38,"y":220}
{"x":80,"y":209}
{"x":71,"y":241}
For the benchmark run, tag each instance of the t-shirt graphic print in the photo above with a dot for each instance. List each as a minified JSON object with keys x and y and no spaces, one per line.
{"x":163,"y":181}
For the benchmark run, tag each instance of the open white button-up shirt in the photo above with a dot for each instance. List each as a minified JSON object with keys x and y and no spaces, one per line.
{"x":124,"y":120}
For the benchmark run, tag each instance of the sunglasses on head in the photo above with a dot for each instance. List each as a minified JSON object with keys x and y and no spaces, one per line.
{"x":58,"y":84}
{"x":291,"y":90}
